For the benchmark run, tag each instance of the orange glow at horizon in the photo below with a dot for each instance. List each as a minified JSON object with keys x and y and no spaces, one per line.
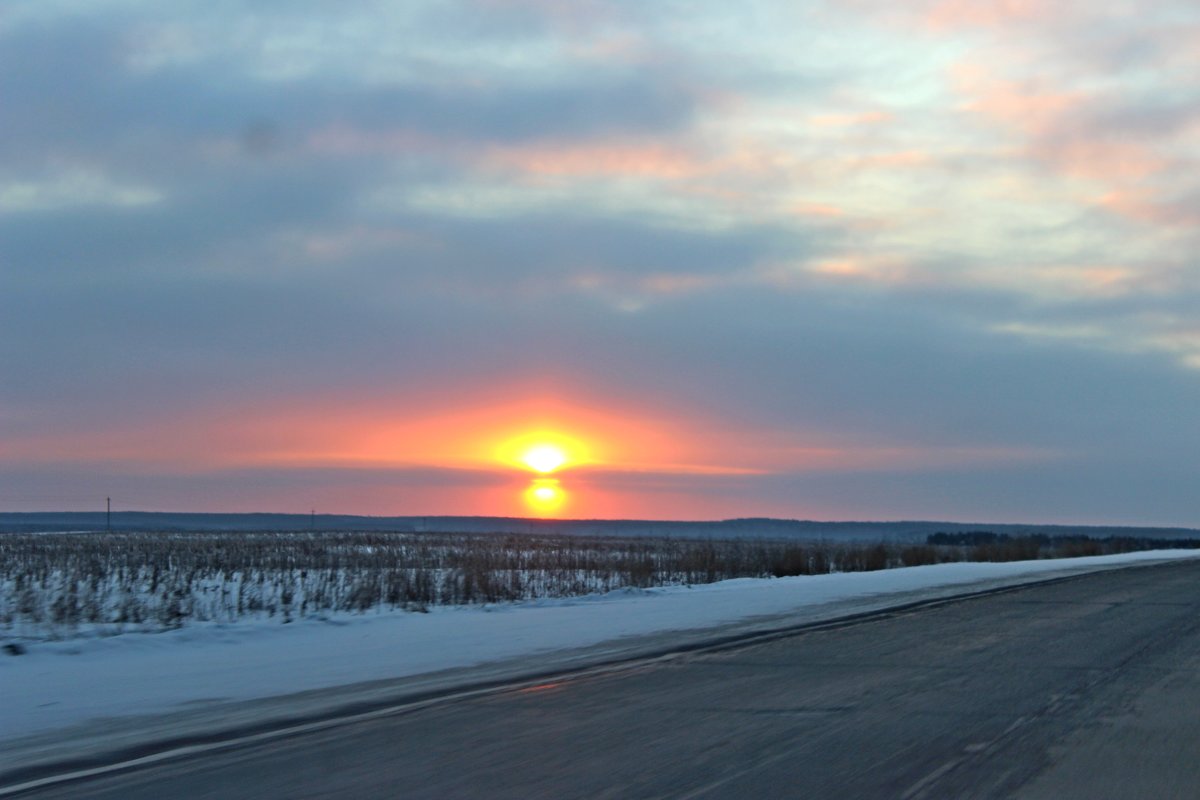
{"x":339,"y":433}
{"x":490,"y":439}
{"x":475,"y":458}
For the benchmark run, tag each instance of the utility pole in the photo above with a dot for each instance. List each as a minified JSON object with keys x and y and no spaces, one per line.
{"x":312,"y":522}
{"x":108,"y":514}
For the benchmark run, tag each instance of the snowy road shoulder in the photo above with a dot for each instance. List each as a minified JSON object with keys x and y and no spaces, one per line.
{"x":60,"y":691}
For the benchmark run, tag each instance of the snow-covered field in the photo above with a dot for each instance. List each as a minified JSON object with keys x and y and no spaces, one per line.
{"x":81,"y":585}
{"x":58,"y":684}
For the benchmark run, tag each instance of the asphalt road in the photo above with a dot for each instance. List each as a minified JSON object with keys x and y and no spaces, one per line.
{"x":1086,"y":688}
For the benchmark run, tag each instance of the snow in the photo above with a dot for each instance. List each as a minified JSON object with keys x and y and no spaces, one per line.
{"x":59,"y":684}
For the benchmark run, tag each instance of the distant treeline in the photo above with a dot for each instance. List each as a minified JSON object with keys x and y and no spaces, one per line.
{"x":993,"y":546}
{"x":906,"y":532}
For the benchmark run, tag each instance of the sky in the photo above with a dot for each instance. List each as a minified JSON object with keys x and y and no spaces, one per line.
{"x":851,"y":259}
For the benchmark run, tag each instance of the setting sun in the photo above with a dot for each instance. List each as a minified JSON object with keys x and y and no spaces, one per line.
{"x":544,"y":450}
{"x":544,"y":457}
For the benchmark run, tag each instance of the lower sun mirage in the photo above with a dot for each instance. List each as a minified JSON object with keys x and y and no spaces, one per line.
{"x":545,"y":496}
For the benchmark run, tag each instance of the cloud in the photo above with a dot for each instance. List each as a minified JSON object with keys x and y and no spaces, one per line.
{"x":72,"y":188}
{"x":857,"y":257}
{"x":608,"y":160}
{"x":951,"y":14}
{"x":1145,"y":206}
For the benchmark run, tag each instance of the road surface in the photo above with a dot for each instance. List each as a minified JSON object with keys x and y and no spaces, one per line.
{"x":1087,"y":688}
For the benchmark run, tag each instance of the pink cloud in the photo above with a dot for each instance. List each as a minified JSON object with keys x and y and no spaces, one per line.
{"x":1101,"y":158}
{"x":942,"y":16}
{"x":870,"y":270}
{"x":543,"y":159}
{"x":1143,"y":205}
{"x":865,"y":118}
{"x":596,"y":159}
{"x":988,"y":13}
{"x":1028,"y":106}
{"x":1060,"y":128}
{"x":817,"y":210}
